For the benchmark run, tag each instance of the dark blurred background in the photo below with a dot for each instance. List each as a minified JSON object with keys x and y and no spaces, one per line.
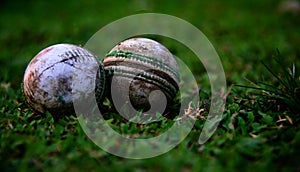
{"x":242,"y":32}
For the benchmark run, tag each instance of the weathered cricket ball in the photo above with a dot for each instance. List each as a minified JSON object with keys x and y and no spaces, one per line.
{"x":48,"y":83}
{"x":146,"y":66}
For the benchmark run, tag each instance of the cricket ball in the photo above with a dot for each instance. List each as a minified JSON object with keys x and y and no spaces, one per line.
{"x":138,"y":67}
{"x":48,"y":83}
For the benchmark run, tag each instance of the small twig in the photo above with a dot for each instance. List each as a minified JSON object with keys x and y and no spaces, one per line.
{"x":192,"y":112}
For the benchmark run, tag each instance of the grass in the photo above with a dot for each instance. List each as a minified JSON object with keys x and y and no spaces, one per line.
{"x":259,"y":128}
{"x":284,"y":95}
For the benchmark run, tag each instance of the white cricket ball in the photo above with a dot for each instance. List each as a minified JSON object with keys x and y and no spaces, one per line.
{"x":146,"y":66}
{"x":48,"y":83}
